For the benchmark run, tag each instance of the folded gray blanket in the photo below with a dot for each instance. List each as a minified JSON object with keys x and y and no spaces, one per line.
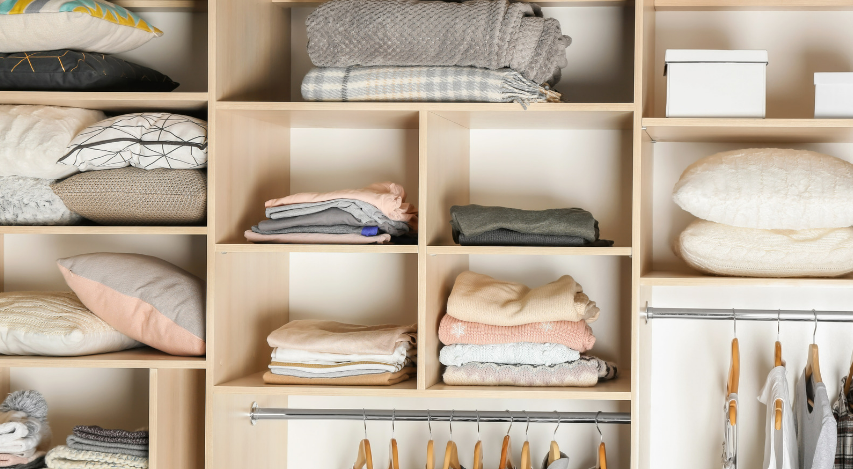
{"x":474,"y":220}
{"x":329,"y":229}
{"x":362,"y":211}
{"x":94,"y":432}
{"x":513,"y":238}
{"x":85,"y":444}
{"x":430,"y":84}
{"x":331,"y":216}
{"x":489,"y":34}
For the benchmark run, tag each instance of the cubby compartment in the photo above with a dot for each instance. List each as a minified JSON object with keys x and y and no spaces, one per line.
{"x":169,"y":403}
{"x":530,"y":160}
{"x":605,"y":279}
{"x":269,"y":64}
{"x":267,"y":154}
{"x":258,"y":292}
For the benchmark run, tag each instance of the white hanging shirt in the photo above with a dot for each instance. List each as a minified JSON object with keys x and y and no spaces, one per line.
{"x":816,"y":429}
{"x":780,"y":446}
{"x":730,"y":435}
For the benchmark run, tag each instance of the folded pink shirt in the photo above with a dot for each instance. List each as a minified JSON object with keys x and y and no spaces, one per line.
{"x":386,"y":196}
{"x":576,"y":335}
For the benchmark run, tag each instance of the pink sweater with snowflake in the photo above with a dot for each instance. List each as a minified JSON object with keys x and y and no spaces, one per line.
{"x":576,"y":335}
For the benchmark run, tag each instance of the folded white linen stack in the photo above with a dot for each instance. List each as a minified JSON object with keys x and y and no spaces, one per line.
{"x":304,"y":364}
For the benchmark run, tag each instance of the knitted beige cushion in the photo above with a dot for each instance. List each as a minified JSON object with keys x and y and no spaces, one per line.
{"x":745,"y":252}
{"x":133,"y":196}
{"x":54,"y":324}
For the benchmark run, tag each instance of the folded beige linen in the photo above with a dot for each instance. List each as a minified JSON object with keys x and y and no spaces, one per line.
{"x":317,"y":238}
{"x":376,"y":379}
{"x":386,"y":196}
{"x":480,"y":298}
{"x":335,"y":337}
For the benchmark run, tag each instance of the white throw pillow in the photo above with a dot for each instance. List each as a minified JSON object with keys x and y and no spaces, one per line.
{"x":34,"y":138}
{"x":769,"y":188}
{"x":746,"y":252}
{"x":148,"y":140}
{"x":31,"y":201}
{"x":54,"y":324}
{"x":84,"y":25}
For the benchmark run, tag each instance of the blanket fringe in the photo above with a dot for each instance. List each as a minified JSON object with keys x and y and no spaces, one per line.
{"x":520,"y":90}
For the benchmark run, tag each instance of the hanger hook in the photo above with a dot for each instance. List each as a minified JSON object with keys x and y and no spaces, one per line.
{"x":478,"y":424}
{"x":451,"y":425}
{"x":734,"y":316}
{"x":393,"y":417}
{"x":596,"y":426}
{"x":528,"y":425}
{"x":814,"y":333}
{"x":429,"y":424}
{"x":510,"y":422}
{"x":558,"y":425}
{"x":364,"y":412}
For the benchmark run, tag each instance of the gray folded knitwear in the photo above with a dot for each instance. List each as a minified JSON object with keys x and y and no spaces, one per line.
{"x":96,"y":433}
{"x":489,"y":34}
{"x":360,"y":214}
{"x":85,"y":444}
{"x":503,"y":237}
{"x":328,"y":229}
{"x":475,"y":220}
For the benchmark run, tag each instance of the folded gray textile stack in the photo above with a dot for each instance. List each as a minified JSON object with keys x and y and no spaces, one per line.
{"x":477,"y":225}
{"x":94,"y":438}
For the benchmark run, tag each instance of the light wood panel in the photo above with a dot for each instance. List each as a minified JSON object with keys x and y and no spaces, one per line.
{"x":177,"y":403}
{"x":145,"y":357}
{"x":237,"y":443}
{"x":102,"y":230}
{"x":111,"y":102}
{"x":254,"y":385}
{"x":330,"y":115}
{"x":448,"y":172}
{"x":750,"y":130}
{"x":527,"y":251}
{"x":5,"y":381}
{"x":681,"y":279}
{"x":342,"y":248}
{"x":163,"y":5}
{"x":441,"y":273}
{"x":757,"y":5}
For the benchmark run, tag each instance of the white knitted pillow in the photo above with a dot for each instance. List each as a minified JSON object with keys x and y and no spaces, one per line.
{"x":769,"y":188}
{"x":745,"y":252}
{"x":54,"y":324}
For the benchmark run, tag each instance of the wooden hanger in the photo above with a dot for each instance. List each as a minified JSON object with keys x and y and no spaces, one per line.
{"x":451,"y":454}
{"x":506,"y":449}
{"x":430,"y":464}
{"x":734,"y":374}
{"x":365,"y":456}
{"x":602,"y":452}
{"x":813,"y":364}
{"x":554,"y":450}
{"x":393,"y":457}
{"x":777,"y":361}
{"x":478,"y":448}
{"x":525,"y":449}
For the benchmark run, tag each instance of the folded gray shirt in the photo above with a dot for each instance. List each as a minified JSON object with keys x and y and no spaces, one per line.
{"x":328,"y":229}
{"x":473,"y":220}
{"x":364,"y":212}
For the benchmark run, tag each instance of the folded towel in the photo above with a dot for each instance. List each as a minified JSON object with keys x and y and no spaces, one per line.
{"x":518,"y":353}
{"x":63,"y":457}
{"x":473,"y":220}
{"x":361,"y":213}
{"x":504,"y":237}
{"x":20,"y":462}
{"x":576,"y":335}
{"x":403,"y":351}
{"x":587,"y":371}
{"x":480,"y":298}
{"x":85,"y":444}
{"x":11,"y":431}
{"x":327,"y":229}
{"x":428,"y":84}
{"x":480,"y":33}
{"x":27,"y":408}
{"x":374,"y":379}
{"x":386,"y":196}
{"x":94,"y":432}
{"x":316,"y":238}
{"x":320,"y":369}
{"x":335,"y":337}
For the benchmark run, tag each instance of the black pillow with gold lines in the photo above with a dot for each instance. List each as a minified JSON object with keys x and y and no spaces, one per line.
{"x":69,"y":70}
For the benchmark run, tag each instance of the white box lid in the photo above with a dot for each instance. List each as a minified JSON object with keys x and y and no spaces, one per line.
{"x":833,"y":78}
{"x":715,"y":56}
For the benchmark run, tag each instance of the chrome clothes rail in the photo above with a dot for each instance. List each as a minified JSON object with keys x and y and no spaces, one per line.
{"x":748,"y":314}
{"x":486,"y":416}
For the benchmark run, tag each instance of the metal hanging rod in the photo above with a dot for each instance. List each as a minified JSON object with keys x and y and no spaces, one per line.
{"x":748,"y":314}
{"x":260,"y":413}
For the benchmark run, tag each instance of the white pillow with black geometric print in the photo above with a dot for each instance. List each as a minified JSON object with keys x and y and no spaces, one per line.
{"x":146,"y":140}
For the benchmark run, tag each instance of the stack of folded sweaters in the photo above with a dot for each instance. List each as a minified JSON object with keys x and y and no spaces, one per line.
{"x":404,"y":50}
{"x":24,"y":431}
{"x":94,"y":447}
{"x":476,"y":225}
{"x":372,"y":215}
{"x":506,"y":334}
{"x":332,"y":353}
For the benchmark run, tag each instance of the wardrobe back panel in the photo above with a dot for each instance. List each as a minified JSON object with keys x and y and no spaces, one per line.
{"x":691,"y":363}
{"x":177,"y":400}
{"x":237,"y":443}
{"x":799,"y":44}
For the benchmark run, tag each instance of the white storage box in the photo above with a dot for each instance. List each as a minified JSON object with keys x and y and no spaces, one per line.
{"x":716,"y":83}
{"x":833,"y":95}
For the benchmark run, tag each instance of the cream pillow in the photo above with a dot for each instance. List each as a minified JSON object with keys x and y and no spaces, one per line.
{"x":745,"y":252}
{"x":770,"y":189}
{"x":34,"y":138}
{"x":54,"y":324}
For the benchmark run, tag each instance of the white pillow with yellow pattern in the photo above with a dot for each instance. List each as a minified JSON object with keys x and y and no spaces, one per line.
{"x":84,"y":25}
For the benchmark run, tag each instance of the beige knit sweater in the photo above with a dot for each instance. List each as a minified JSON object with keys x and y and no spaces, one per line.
{"x":480,"y":298}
